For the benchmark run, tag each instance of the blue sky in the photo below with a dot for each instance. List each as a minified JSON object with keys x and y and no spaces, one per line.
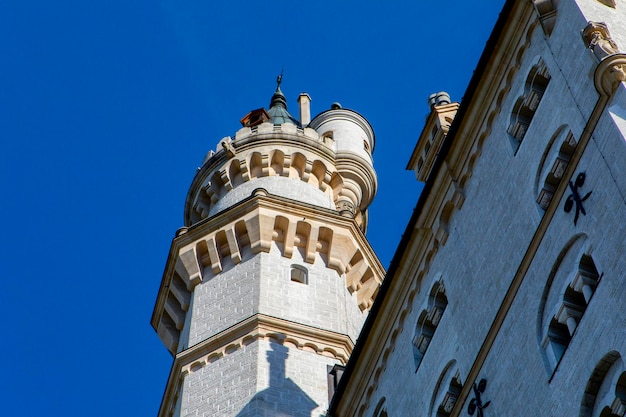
{"x":107,"y":109}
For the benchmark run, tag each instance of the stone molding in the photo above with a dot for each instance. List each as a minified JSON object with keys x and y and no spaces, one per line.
{"x":258,"y":327}
{"x":287,"y":151}
{"x":262,"y":223}
{"x":216,"y":180}
{"x":355,"y":169}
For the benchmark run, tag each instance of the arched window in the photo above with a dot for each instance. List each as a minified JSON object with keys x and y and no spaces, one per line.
{"x":379,"y":411}
{"x":527,"y":103}
{"x":299,"y":274}
{"x":571,"y":309}
{"x":566,"y":297}
{"x":553,"y":165}
{"x":605,"y":393}
{"x":447,"y":391}
{"x":450,"y":397}
{"x":428,"y":321}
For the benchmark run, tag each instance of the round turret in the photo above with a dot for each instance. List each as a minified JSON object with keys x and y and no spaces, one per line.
{"x":353,"y":142}
{"x":327,"y":164}
{"x":272,"y":265}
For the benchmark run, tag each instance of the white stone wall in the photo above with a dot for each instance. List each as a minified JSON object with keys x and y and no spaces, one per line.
{"x":349,"y":130}
{"x":223,"y":387}
{"x":262,"y":379}
{"x":266,"y":378}
{"x":293,"y":188}
{"x":489,"y":236}
{"x":324,"y":302}
{"x":298,"y":389}
{"x":262,"y":284}
{"x":225,"y":299}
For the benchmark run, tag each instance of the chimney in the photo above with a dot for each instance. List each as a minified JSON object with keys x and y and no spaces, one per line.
{"x":304,"y":102}
{"x":438,"y":99}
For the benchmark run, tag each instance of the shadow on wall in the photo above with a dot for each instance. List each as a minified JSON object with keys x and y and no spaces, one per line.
{"x":283,"y":398}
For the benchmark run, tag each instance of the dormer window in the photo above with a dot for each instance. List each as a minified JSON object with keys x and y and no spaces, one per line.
{"x":255,"y":118}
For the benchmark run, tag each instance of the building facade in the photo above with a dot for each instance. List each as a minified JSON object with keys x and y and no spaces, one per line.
{"x":266,"y":288}
{"x":507,"y":294}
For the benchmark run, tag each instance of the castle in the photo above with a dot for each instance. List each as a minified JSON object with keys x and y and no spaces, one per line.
{"x":506,"y":295}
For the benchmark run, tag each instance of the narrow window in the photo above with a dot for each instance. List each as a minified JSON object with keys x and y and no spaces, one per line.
{"x":527,"y":103}
{"x":558,"y":164}
{"x":299,"y":274}
{"x":328,"y":137}
{"x":428,"y":321}
{"x":605,"y":394}
{"x":570,"y":297}
{"x":450,"y":397}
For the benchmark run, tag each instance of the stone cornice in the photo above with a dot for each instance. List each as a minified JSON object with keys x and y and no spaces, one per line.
{"x":487,"y":104}
{"x":281,"y":151}
{"x":312,"y":162}
{"x":256,"y":223}
{"x":258,"y":327}
{"x":351,"y":166}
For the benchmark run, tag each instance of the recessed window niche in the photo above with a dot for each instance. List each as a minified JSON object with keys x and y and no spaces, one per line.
{"x":299,"y":274}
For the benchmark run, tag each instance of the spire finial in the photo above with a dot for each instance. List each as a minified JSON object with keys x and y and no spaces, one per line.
{"x":279,"y":79}
{"x":278,"y":105}
{"x":278,"y":99}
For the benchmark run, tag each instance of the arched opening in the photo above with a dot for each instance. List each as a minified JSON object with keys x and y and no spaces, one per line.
{"x":299,"y":274}
{"x":527,"y":103}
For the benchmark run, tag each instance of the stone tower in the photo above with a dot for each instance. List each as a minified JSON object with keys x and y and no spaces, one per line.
{"x":268,"y":284}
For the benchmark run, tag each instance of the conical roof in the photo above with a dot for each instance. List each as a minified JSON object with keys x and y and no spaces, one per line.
{"x":278,"y":107}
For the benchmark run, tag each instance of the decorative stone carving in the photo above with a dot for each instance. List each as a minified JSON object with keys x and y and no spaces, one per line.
{"x":227,"y":144}
{"x":597,"y":38}
{"x":345,"y":208}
